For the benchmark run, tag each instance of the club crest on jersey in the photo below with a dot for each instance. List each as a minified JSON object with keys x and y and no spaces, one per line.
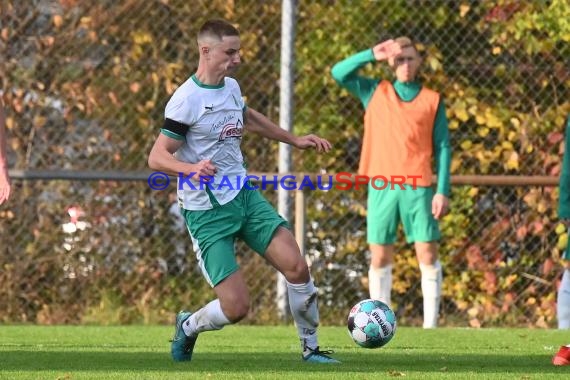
{"x":231,"y":131}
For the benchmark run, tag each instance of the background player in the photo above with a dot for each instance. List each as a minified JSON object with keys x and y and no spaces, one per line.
{"x":405,"y":127}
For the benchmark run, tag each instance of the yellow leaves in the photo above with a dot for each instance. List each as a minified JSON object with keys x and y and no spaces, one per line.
{"x":542,"y":206}
{"x":559,"y":119}
{"x":513,"y":161}
{"x":482,"y":131}
{"x":479,"y":119}
{"x":456,"y":163}
{"x":562,"y":242}
{"x":515,"y":123}
{"x":492,"y":120}
{"x":320,"y":34}
{"x":466,"y":144}
{"x":141,"y":37}
{"x":496,"y":50}
{"x":500,"y":70}
{"x":352,"y":246}
{"x":510,"y":280}
{"x":560,"y":229}
{"x":473,"y":312}
{"x":459,"y":109}
{"x":462,"y":305}
{"x":464,"y":9}
{"x":434,"y":63}
{"x":147,"y":106}
{"x":85,"y":21}
{"x":462,"y":114}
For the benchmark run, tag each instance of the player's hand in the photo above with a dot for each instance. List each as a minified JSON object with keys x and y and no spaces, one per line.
{"x":312,"y":141}
{"x":385,"y":50}
{"x":205,"y":169}
{"x":5,"y":187}
{"x":439,"y":206}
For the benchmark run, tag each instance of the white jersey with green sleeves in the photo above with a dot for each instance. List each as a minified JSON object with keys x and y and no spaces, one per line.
{"x":215,"y":116}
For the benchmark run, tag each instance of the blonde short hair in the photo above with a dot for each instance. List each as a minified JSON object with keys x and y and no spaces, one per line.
{"x":405,"y":42}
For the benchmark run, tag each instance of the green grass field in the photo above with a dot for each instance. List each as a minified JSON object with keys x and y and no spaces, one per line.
{"x":254,"y":352}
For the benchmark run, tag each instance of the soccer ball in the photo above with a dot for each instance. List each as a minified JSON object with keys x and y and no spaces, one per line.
{"x":371,"y":323}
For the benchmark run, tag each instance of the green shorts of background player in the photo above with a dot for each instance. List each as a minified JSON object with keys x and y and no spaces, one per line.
{"x":412,"y":208}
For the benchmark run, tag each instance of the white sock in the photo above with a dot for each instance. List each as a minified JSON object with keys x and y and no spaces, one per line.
{"x":380,"y":284}
{"x":303,"y":304}
{"x":431,"y":290}
{"x":210,"y":317}
{"x":563,"y":301}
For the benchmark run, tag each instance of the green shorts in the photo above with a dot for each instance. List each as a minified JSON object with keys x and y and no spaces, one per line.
{"x":249,"y":216}
{"x":389,"y":206}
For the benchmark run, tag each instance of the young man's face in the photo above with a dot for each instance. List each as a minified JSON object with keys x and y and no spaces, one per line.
{"x":224,"y":56}
{"x":406,"y":64}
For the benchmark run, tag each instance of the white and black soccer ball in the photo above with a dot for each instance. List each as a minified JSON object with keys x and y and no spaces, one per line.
{"x":371,"y":323}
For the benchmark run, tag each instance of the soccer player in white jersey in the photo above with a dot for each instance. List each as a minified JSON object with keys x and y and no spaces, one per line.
{"x":204,"y":122}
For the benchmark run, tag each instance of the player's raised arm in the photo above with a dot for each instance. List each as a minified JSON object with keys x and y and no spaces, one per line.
{"x":345,"y":72}
{"x":259,"y":124}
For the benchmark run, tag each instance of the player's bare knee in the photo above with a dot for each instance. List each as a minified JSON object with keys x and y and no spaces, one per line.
{"x":381,"y":255}
{"x":426,"y":253}
{"x":380,"y":262}
{"x":236,"y":310}
{"x":299,"y":273}
{"x":427,"y":259}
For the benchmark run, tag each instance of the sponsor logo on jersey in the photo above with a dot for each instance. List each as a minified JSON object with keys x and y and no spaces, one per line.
{"x":231,"y":131}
